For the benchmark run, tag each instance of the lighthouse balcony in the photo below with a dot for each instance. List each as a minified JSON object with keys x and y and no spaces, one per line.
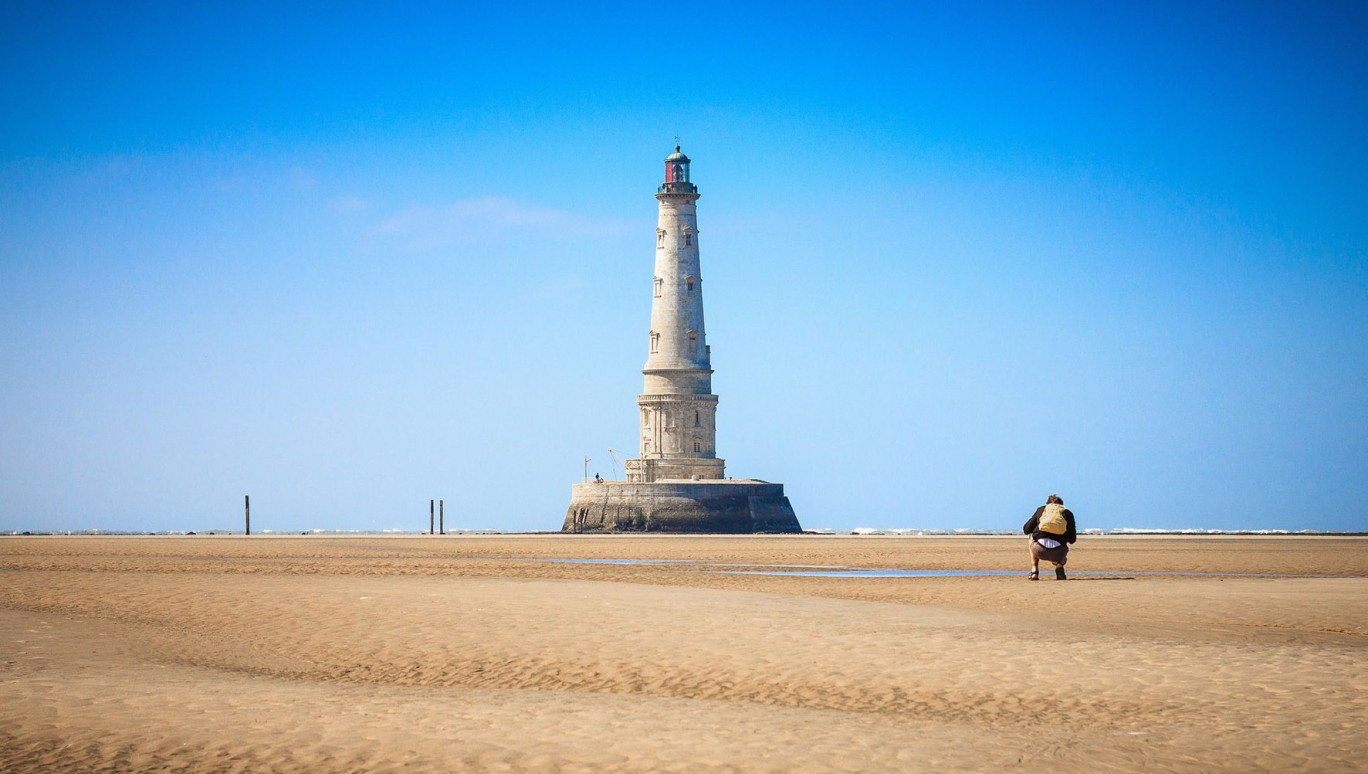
{"x":677,"y":188}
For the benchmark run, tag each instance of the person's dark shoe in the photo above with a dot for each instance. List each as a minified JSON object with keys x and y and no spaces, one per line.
{"x":1035,"y":575}
{"x":1059,"y":574}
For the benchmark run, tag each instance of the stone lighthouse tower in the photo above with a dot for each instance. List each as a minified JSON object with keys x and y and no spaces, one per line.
{"x":677,"y":407}
{"x":677,"y":482}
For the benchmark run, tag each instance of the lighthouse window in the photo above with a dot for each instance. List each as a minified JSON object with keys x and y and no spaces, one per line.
{"x":659,"y":283}
{"x":688,"y":240}
{"x":689,"y":283}
{"x":697,"y":447}
{"x":660,"y":238}
{"x":697,"y":420}
{"x":693,"y":342}
{"x":655,"y":341}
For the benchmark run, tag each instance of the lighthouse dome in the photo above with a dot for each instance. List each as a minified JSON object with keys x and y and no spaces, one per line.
{"x":677,"y":156}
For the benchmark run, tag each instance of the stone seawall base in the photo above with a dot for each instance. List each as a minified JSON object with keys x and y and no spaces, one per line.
{"x":727,"y":506}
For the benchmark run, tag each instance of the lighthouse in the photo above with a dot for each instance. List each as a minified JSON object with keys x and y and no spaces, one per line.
{"x":677,"y":482}
{"x":678,"y":411}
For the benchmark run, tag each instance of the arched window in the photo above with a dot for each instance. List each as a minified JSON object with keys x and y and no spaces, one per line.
{"x":693,"y":342}
{"x":689,"y":284}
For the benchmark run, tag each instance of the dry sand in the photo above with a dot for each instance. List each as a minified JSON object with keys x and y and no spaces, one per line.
{"x":376,"y":653}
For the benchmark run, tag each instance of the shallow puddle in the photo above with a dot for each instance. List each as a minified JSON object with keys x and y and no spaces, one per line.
{"x":700,"y":562}
{"x":612,"y":561}
{"x":861,"y":572}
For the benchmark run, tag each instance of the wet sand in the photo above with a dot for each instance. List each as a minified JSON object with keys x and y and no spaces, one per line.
{"x":325,"y":654}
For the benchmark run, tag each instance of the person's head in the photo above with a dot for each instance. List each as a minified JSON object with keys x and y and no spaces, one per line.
{"x":1053,"y":499}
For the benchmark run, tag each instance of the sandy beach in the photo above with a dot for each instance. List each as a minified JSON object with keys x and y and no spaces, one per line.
{"x":309,"y":653}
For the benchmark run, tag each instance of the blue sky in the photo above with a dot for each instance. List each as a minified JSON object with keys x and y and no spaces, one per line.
{"x":346,"y":258}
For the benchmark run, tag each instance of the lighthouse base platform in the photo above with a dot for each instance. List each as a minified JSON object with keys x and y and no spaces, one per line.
{"x":728,"y":506}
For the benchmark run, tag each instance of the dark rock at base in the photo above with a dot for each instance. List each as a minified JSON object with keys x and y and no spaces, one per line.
{"x":725,"y":506}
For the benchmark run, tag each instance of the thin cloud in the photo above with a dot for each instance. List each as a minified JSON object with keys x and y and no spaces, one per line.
{"x":486,"y":217}
{"x":301,"y":179}
{"x":348,"y":204}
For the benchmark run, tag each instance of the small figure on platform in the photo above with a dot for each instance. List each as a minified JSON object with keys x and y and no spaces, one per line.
{"x":1052,"y":530}
{"x":598,"y":479}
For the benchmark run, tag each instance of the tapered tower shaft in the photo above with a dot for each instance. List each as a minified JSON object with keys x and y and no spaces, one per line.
{"x":678,"y":411}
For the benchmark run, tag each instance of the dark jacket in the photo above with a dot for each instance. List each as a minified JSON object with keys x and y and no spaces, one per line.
{"x":1070,"y":535}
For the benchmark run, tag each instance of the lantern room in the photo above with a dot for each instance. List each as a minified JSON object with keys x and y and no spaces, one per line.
{"x":677,"y":175}
{"x":676,"y":167}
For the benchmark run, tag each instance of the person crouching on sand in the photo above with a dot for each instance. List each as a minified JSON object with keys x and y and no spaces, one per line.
{"x":1052,"y":529}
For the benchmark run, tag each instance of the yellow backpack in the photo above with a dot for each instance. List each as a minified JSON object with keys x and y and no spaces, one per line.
{"x":1052,"y":520}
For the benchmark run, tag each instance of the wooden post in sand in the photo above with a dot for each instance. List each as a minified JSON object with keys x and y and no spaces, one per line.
{"x":247,"y":506}
{"x":441,"y":517}
{"x":430,"y":518}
